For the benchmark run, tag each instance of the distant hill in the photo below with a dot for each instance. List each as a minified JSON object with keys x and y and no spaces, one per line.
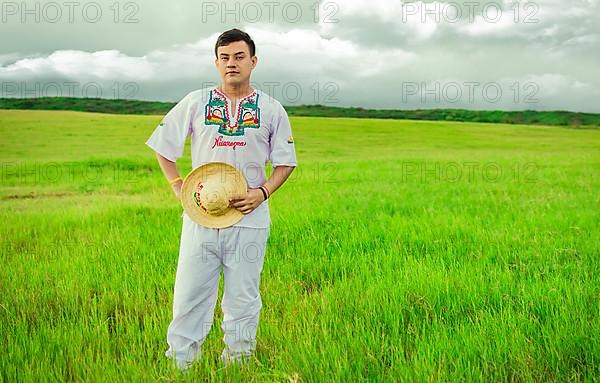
{"x":530,"y":117}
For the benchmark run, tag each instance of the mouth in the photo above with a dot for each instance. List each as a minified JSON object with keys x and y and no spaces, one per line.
{"x":233,"y":73}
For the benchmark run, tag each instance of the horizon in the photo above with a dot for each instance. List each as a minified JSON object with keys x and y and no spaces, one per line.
{"x":315,"y":105}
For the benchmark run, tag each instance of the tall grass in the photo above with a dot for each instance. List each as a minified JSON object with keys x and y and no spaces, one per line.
{"x":400,"y":251}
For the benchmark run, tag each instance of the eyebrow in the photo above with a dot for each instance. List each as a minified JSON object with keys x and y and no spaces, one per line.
{"x":235,"y":54}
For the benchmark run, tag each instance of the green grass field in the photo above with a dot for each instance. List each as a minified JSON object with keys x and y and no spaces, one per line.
{"x":400,"y":251}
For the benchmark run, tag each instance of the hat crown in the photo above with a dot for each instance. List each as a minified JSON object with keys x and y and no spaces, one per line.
{"x":215,"y":196}
{"x":206,"y":192}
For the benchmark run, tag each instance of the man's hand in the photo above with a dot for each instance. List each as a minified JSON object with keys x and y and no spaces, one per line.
{"x":246,"y":203}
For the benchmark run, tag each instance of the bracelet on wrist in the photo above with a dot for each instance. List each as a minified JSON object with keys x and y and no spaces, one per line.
{"x":175,"y":180}
{"x":265,"y":195}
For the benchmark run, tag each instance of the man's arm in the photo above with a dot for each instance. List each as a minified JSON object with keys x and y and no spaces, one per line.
{"x":279,"y":176}
{"x":250,"y":201}
{"x":170,"y":172}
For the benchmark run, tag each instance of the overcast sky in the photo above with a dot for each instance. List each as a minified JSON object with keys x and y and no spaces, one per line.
{"x":542,"y":55}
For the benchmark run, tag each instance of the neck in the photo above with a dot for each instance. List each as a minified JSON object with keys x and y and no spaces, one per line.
{"x":236,"y":91}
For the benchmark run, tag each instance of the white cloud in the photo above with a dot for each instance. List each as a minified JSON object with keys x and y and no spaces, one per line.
{"x":77,"y":64}
{"x":311,"y":55}
{"x":374,"y":47}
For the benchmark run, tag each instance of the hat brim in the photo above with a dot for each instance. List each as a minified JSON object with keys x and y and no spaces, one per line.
{"x":229,"y":175}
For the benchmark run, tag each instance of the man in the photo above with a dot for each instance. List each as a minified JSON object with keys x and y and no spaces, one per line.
{"x":244,"y":127}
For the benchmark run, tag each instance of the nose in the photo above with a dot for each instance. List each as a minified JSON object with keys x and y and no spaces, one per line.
{"x":231,"y":62}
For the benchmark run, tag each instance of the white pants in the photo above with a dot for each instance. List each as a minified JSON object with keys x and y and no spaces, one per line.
{"x":240,"y":252}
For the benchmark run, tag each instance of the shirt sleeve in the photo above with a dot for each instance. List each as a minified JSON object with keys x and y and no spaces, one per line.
{"x":283,"y":152}
{"x":168,"y":139}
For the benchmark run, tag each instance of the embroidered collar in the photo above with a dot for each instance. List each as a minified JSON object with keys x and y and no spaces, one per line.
{"x":241,"y":99}
{"x":238,"y":108}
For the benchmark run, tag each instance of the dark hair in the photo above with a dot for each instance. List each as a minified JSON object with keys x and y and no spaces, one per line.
{"x":232,"y":36}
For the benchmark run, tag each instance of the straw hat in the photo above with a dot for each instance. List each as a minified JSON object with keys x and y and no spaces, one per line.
{"x":206,"y":191}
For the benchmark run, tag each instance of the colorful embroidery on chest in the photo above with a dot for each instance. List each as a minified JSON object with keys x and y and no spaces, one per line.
{"x":247,"y":114}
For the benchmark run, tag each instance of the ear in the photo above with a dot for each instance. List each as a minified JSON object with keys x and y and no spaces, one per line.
{"x":254,"y":61}
{"x":217,"y":62}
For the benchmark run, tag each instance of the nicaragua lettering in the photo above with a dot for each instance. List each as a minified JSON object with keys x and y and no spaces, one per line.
{"x":220,"y":142}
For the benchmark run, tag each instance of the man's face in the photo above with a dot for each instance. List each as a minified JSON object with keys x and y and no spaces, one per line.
{"x":235,"y":63}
